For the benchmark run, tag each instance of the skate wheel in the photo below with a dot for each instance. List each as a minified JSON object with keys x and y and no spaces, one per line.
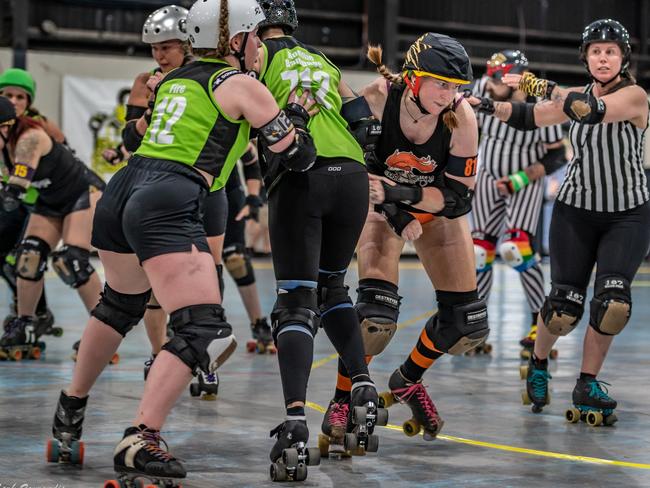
{"x":323,"y":445}
{"x":195,"y":389}
{"x":271,"y":349}
{"x":359,"y":415}
{"x":382,"y":416}
{"x":537,"y":408}
{"x":553,"y":354}
{"x":52,"y":452}
{"x":16,"y":355}
{"x":209,"y":397}
{"x":301,"y":473}
{"x":386,"y":399}
{"x":77,"y":450}
{"x":523,"y":372}
{"x":112,"y":484}
{"x":115,"y":359}
{"x":572,"y":415}
{"x":411,"y":427}
{"x":610,"y":419}
{"x":260,"y":348}
{"x":35,"y":353}
{"x":487,"y":348}
{"x":57,"y":331}
{"x":594,"y":419}
{"x":373,"y":443}
{"x":525,"y":399}
{"x":251,"y":346}
{"x":277,"y":471}
{"x":313,"y":456}
{"x":524,"y":354}
{"x":350,"y":442}
{"x":290,"y":457}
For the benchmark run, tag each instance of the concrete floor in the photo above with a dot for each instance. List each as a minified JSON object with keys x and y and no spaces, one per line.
{"x":489,"y":439}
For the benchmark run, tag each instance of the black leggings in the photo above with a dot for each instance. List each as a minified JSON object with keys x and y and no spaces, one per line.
{"x":315,"y":220}
{"x":616,"y":242}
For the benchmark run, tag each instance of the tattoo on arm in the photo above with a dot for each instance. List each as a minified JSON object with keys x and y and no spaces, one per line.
{"x":27,"y":148}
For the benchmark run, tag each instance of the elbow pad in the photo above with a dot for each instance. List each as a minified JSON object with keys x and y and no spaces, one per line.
{"x":584,"y":108}
{"x":131,"y":138}
{"x":522,"y":116}
{"x":363,"y":126}
{"x":457,"y":196}
{"x":553,"y":160}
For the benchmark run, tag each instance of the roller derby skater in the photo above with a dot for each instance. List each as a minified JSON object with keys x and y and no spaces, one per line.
{"x":536,"y":375}
{"x":20,"y":340}
{"x":592,"y":403}
{"x":66,"y":429}
{"x":331,"y":441}
{"x":588,"y":227}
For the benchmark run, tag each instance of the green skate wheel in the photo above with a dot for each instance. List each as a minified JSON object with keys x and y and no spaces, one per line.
{"x":572,"y":415}
{"x":411,"y":427}
{"x":57,"y":331}
{"x":53,"y":451}
{"x":594,"y":419}
{"x":301,"y":473}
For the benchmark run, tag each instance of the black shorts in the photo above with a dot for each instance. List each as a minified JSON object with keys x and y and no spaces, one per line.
{"x":12,"y":225}
{"x":235,"y":229}
{"x":214,"y":215}
{"x":81,"y":201}
{"x":151,"y":207}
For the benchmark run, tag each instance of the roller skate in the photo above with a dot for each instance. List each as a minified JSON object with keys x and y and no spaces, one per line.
{"x":66,"y":429}
{"x":44,"y":324}
{"x":147,"y":365}
{"x":138,"y":457}
{"x":528,"y":343}
{"x":262,"y":341}
{"x":289,"y":456}
{"x":19,"y":340}
{"x":208,"y":384}
{"x":75,"y":347}
{"x":536,"y":375}
{"x":592,"y":404}
{"x":425,"y":415}
{"x":482,"y":348}
{"x":364,"y":415}
{"x":334,"y":426}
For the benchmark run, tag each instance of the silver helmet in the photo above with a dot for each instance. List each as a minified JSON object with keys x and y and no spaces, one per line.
{"x":165,"y":24}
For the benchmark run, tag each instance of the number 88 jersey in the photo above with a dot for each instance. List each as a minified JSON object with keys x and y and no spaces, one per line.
{"x":187,"y":126}
{"x":287,"y":64}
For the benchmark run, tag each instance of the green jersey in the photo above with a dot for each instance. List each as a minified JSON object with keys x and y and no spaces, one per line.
{"x":188,"y":126}
{"x":288,"y":63}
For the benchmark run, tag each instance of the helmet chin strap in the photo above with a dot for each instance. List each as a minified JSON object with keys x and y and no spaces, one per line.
{"x":415,"y":89}
{"x":241,"y":54}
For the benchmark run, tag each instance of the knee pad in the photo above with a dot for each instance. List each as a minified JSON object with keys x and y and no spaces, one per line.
{"x":238,"y":263}
{"x":563,"y":308}
{"x":295,"y":309}
{"x":459,"y":327}
{"x":203,"y":339}
{"x":611,"y":305}
{"x":378,"y":309}
{"x":31,"y":258}
{"x":332,"y":292}
{"x":484,"y":250}
{"x":72,"y":264}
{"x":516,"y":250}
{"x":119,"y":310}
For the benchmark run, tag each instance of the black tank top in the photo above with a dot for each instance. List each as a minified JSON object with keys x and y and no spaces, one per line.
{"x":403,"y":161}
{"x":60,"y":176}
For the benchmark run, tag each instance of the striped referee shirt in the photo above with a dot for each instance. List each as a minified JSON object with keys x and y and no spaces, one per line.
{"x":606,"y":171}
{"x":504,"y":150}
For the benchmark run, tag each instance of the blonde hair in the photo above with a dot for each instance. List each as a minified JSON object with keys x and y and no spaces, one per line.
{"x":449,"y":117}
{"x":374,"y":56}
{"x":223,"y":45}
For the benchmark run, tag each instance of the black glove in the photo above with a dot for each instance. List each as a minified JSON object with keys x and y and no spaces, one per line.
{"x":486,"y":106}
{"x":397,"y":218}
{"x":10,"y":196}
{"x":254,"y":203}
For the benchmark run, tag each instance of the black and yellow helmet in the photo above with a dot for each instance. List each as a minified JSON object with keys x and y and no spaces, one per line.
{"x":438,"y":56}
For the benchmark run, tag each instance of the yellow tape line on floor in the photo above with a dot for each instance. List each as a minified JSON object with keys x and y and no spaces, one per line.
{"x":490,"y":445}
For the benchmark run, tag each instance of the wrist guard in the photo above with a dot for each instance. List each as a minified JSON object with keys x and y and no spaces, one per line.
{"x":397,"y":218}
{"x":486,"y":106}
{"x":517,"y":181}
{"x":409,"y":195}
{"x":536,"y":87}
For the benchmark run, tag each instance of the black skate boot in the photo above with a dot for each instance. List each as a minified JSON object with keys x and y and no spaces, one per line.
{"x":66,"y":429}
{"x":364,"y":415}
{"x":415,"y":396}
{"x":536,"y":375}
{"x":334,"y":426}
{"x":19,"y":341}
{"x":262,"y":341}
{"x":592,"y":404}
{"x":289,"y":456}
{"x":207,"y":386}
{"x":138,"y":455}
{"x":44,"y":324}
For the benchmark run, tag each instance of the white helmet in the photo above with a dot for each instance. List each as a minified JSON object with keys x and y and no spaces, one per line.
{"x":165,"y":24}
{"x":203,"y":20}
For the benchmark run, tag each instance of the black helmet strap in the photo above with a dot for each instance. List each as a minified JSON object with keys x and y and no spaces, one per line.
{"x":415,"y":89}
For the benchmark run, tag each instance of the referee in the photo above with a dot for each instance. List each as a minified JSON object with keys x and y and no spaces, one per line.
{"x":510,"y":187}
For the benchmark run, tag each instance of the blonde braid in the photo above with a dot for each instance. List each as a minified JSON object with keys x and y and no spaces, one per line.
{"x":223,"y":46}
{"x":449,"y":118}
{"x":374,"y":56}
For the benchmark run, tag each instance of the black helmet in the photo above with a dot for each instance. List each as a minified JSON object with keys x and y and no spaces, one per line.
{"x":605,"y":30}
{"x":281,"y":13}
{"x":506,"y":61}
{"x":7,"y":111}
{"x":439,"y":56}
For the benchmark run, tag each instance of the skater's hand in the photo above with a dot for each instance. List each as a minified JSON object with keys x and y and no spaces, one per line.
{"x":412,"y":231}
{"x":305,"y":100}
{"x":512,"y":80}
{"x":377,"y":194}
{"x":154,"y":80}
{"x":503,"y":186}
{"x":251,"y":210}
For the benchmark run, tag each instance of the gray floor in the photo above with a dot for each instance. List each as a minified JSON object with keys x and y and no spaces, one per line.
{"x":489,"y":438}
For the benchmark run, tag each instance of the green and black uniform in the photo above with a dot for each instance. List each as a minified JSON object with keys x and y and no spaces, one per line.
{"x":154,"y":205}
{"x":315,"y":217}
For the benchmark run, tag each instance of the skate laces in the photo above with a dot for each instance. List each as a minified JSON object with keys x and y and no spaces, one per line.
{"x":152,"y":446}
{"x":338,"y":414}
{"x":597,"y":390}
{"x":423,"y":399}
{"x":539,"y":379}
